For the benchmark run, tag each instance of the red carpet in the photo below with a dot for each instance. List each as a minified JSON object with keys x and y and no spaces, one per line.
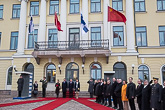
{"x":54,"y":104}
{"x":25,"y":102}
{"x":92,"y":105}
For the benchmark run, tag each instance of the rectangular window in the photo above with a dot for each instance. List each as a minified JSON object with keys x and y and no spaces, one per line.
{"x":34,"y":8}
{"x":117,"y":5}
{"x":54,"y":6}
{"x":14,"y":40}
{"x":95,"y":36}
{"x":141,"y":36}
{"x":139,"y":5}
{"x":1,"y":11}
{"x":32,"y":37}
{"x":118,"y":36}
{"x":161,"y":5}
{"x":0,"y":38}
{"x":74,"y":6}
{"x":74,"y":38}
{"x":16,"y":11}
{"x":95,"y":6}
{"x":162,"y":35}
{"x":52,"y":38}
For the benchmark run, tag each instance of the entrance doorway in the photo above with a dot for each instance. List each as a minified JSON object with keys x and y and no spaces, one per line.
{"x":25,"y":91}
{"x":30,"y":68}
{"x":72,"y":71}
{"x":74,"y":38}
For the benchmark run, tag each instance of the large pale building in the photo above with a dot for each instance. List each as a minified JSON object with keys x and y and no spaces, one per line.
{"x":140,"y":53}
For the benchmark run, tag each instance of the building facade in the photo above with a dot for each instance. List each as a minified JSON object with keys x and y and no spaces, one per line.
{"x":71,"y":54}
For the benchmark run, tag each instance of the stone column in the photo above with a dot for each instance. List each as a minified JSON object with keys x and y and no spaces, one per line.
{"x":22,"y":27}
{"x":85,"y":17}
{"x":105,"y":21}
{"x":63,"y":13}
{"x":130,"y":26}
{"x":42,"y":25}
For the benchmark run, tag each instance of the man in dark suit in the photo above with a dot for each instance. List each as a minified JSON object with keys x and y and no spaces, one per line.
{"x":97,"y":91}
{"x":44,"y":86}
{"x":163,"y":96}
{"x":118,"y":94}
{"x":146,"y":93}
{"x":64,"y":87}
{"x":130,"y":93}
{"x":20,"y":83}
{"x":114,"y":84}
{"x":156,"y":90}
{"x":71,"y":87}
{"x":91,"y":87}
{"x":108,"y":93}
{"x":139,"y":93}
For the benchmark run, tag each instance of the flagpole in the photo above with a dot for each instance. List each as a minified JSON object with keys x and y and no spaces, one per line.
{"x":109,"y":32}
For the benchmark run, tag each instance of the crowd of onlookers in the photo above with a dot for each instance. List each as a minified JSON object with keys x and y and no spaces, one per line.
{"x":120,"y":93}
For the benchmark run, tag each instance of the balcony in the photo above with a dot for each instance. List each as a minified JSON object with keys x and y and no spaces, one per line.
{"x":82,"y":48}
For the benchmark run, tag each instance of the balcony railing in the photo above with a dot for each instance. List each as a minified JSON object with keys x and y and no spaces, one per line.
{"x":72,"y":45}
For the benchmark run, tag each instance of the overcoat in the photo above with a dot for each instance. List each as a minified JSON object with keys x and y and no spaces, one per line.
{"x":108,"y":90}
{"x":118,"y":90}
{"x":163,"y":98}
{"x":139,"y":93}
{"x":64,"y":86}
{"x":131,"y":91}
{"x":57,"y":85}
{"x":71,"y":86}
{"x":91,"y":86}
{"x":123,"y":92}
{"x":20,"y":83}
{"x":78,"y":86}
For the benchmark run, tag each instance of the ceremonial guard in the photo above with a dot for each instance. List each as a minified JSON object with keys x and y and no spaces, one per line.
{"x":146,"y":93}
{"x":44,"y":86}
{"x":156,"y":90}
{"x":64,"y":87}
{"x":139,"y":93}
{"x":91,"y":87}
{"x":20,"y":83}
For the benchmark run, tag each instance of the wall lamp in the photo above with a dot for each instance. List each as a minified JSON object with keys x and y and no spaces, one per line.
{"x":59,"y":66}
{"x":133,"y":66}
{"x":83,"y":68}
{"x":15,"y":68}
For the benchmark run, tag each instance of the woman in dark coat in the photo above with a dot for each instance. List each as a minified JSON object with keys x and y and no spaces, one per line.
{"x":146,"y":93}
{"x":35,"y":89}
{"x":77,"y":88}
{"x":57,"y":85}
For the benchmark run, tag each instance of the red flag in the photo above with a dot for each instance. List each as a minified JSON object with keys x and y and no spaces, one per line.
{"x":115,"y":35}
{"x":57,"y":23}
{"x":115,"y":16}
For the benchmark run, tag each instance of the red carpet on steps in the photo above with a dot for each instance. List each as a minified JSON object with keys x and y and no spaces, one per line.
{"x":52,"y":105}
{"x":92,"y":105}
{"x":25,"y":102}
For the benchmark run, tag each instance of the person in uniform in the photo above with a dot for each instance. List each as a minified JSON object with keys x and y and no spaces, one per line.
{"x":71,"y":88}
{"x":64,"y":87}
{"x":139,"y":93}
{"x":20,"y":83}
{"x":44,"y":86}
{"x":146,"y":93}
{"x":77,"y":88}
{"x":57,"y":85}
{"x":123,"y":95}
{"x":114,"y":84}
{"x":91,"y":87}
{"x":118,"y":93}
{"x":163,"y":96}
{"x":156,"y":90}
{"x":130,"y":93}
{"x":108,"y":93}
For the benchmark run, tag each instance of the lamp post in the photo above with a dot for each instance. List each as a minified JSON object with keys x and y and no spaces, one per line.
{"x":59,"y":66}
{"x":83,"y":68}
{"x":133,"y":66}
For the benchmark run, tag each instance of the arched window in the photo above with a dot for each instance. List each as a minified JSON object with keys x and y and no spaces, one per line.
{"x":143,"y":72}
{"x":30,"y":68}
{"x":9,"y":76}
{"x":96,"y":71}
{"x":51,"y":73}
{"x":163,"y":73}
{"x":72,"y":71}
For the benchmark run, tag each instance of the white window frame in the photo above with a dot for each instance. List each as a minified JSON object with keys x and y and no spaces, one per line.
{"x":148,"y":70}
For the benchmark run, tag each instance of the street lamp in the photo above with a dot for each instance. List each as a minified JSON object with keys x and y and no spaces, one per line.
{"x":133,"y":66}
{"x":59,"y":66}
{"x":83,"y":68}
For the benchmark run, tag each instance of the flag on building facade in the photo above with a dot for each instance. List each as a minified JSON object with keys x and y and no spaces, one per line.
{"x":57,"y":23}
{"x":115,"y":16}
{"x":83,"y":25}
{"x":31,"y":25}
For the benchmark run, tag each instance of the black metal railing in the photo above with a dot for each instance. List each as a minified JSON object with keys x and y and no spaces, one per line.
{"x":72,"y":45}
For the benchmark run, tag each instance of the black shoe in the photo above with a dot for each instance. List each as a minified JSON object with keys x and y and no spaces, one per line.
{"x":114,"y":107}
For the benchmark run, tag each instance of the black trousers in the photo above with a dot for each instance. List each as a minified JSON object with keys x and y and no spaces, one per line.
{"x":19,"y":93}
{"x":114,"y":100}
{"x":43,"y":92}
{"x":109,"y":100}
{"x":64,"y":94}
{"x":71,"y":94}
{"x":140,"y":105}
{"x":57,"y":95}
{"x":132,"y":104}
{"x":91,"y":95}
{"x":119,"y":101}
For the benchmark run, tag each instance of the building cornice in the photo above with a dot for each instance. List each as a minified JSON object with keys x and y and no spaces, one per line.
{"x":151,"y":55}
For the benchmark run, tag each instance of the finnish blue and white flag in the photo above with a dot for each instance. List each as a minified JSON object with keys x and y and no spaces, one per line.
{"x":31,"y":25}
{"x":83,"y":25}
